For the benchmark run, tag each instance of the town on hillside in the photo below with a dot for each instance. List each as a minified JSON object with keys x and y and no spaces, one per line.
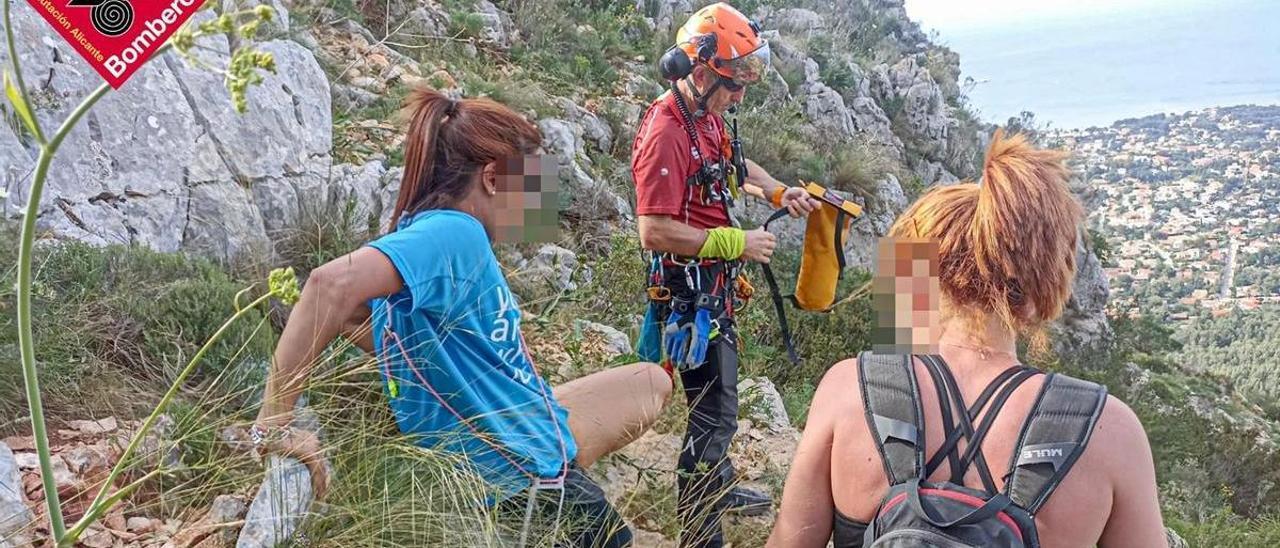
{"x":1189,"y":208}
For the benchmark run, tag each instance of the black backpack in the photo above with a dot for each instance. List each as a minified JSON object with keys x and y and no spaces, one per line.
{"x":948,"y":514}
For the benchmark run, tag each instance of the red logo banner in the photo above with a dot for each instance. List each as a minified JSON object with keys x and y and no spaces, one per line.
{"x":116,"y":36}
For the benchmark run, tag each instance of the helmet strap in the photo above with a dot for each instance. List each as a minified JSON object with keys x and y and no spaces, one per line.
{"x":701,"y":98}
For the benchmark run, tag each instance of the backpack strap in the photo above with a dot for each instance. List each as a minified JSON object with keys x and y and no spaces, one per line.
{"x":1053,"y":437}
{"x":948,"y":448}
{"x":1005,"y":383}
{"x":892,"y":403}
{"x":974,"y":449}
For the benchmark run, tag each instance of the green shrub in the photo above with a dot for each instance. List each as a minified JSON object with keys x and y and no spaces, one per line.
{"x":1226,"y":530}
{"x":619,"y":278}
{"x":122,"y":317}
{"x":572,"y":45}
{"x":323,"y":233}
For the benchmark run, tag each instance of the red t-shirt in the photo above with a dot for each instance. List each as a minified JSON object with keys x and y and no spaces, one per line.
{"x":662,"y":163}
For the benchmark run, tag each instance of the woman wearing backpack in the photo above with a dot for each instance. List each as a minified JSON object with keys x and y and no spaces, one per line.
{"x":1058,"y":463}
{"x":445,"y":328}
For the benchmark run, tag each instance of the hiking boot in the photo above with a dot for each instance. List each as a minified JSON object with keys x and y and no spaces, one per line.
{"x":747,"y":502}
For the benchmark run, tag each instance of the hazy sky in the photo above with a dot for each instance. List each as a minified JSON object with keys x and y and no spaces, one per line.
{"x":1077,"y":63}
{"x":967,"y":15}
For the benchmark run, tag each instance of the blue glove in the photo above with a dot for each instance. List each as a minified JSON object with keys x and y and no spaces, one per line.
{"x":701,"y":338}
{"x":675,"y":338}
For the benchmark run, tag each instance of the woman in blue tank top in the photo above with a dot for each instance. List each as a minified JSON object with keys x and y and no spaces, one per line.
{"x":446,"y":328}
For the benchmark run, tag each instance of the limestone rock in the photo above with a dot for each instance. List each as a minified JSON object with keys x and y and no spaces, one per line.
{"x":641,"y":87}
{"x":889,"y":201}
{"x":616,"y":342}
{"x":625,"y":115}
{"x":418,"y":19}
{"x":217,"y":527}
{"x":764,"y":403}
{"x":284,"y":498}
{"x":280,"y":505}
{"x":498,"y":29}
{"x":140,"y":525}
{"x":920,"y":104}
{"x":671,"y":14}
{"x":1083,"y":332}
{"x":825,"y":108}
{"x":561,"y":137}
{"x":779,"y":89}
{"x":131,"y":169}
{"x":27,"y":461}
{"x":14,"y":513}
{"x":593,"y":199}
{"x":554,"y":266}
{"x":86,"y":460}
{"x":388,"y":189}
{"x":795,"y":22}
{"x":95,"y":427}
{"x":594,"y":130}
{"x":357,"y":188}
{"x":223,"y":223}
{"x":934,"y":173}
{"x":788,"y":58}
{"x":869,"y":120}
{"x":279,"y":23}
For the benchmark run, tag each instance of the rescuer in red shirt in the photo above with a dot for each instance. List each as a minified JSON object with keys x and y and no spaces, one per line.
{"x":684,"y":193}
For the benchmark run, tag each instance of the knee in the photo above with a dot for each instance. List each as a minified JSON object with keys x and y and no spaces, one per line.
{"x":662,"y":382}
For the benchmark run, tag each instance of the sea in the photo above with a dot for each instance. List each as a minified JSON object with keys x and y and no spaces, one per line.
{"x":1086,"y":69}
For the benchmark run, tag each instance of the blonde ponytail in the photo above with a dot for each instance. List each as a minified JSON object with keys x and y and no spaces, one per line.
{"x":1007,"y":244}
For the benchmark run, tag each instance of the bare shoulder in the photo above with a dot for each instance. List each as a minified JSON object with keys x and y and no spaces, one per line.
{"x":1119,"y":440}
{"x":1119,"y":422}
{"x":838,"y":392}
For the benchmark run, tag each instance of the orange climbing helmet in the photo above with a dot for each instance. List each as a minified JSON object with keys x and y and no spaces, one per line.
{"x":726,"y":41}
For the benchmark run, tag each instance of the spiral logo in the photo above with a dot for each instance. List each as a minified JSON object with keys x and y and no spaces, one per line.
{"x":112,"y":17}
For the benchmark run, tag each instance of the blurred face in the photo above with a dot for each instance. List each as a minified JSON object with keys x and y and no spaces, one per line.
{"x":905,"y":296}
{"x":525,"y":199}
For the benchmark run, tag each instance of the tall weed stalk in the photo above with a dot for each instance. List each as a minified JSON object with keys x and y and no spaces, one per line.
{"x":241,"y":71}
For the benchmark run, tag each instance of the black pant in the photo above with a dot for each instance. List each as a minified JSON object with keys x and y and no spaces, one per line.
{"x":704,"y":471}
{"x":586,"y":519}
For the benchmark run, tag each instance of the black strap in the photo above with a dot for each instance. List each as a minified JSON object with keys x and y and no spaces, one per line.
{"x":966,"y":422}
{"x":840,"y":258}
{"x":891,"y":400}
{"x":947,"y":449}
{"x":993,"y":506}
{"x":782,"y":314}
{"x":974,"y":449}
{"x":1055,"y":434}
{"x":692,"y":131}
{"x":775,"y":294}
{"x":945,"y":406}
{"x":974,"y":437}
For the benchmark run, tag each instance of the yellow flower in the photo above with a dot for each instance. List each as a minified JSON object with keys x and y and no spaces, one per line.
{"x":283,"y":283}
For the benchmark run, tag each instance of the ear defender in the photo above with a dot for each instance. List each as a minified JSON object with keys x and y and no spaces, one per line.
{"x":675,"y":64}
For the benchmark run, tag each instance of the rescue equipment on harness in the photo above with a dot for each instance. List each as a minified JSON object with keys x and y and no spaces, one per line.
{"x":822,"y":263}
{"x":729,"y":44}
